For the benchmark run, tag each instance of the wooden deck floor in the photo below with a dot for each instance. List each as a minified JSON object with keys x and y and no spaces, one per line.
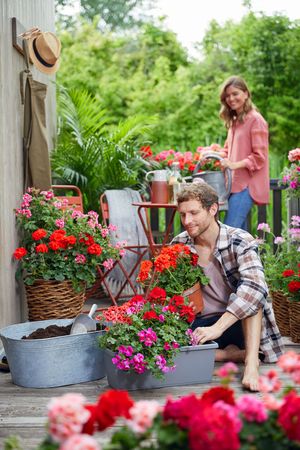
{"x":23,"y":410}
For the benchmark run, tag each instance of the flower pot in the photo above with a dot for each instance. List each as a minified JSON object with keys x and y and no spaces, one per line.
{"x":295,"y":320}
{"x":53,"y":300}
{"x":194,"y":365}
{"x":195,"y":297}
{"x":281,"y":309}
{"x":59,"y":361}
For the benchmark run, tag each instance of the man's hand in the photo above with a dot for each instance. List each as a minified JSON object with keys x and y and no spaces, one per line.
{"x":204,"y":334}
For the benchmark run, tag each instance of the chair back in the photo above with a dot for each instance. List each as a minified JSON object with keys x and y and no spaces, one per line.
{"x":70,"y":193}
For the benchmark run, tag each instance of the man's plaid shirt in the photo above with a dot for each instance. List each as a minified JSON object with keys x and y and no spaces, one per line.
{"x":237,"y":252}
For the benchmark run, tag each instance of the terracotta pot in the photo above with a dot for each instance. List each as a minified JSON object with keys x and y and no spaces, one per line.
{"x":194,"y":295}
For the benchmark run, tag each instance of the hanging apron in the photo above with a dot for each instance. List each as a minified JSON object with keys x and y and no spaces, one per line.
{"x":37,"y":170}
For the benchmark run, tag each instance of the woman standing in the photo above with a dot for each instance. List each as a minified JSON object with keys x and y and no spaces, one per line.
{"x":245,"y":151}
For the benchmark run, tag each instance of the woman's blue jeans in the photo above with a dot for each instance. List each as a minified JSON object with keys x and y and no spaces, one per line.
{"x":239,"y":205}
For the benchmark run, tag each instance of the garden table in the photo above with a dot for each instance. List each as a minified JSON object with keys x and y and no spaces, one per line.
{"x":148,"y":206}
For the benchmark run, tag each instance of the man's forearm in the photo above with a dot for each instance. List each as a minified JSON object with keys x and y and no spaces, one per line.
{"x":225,"y":321}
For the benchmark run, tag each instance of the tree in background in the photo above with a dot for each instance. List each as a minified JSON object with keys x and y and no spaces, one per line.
{"x":114,"y":15}
{"x":150,"y":73}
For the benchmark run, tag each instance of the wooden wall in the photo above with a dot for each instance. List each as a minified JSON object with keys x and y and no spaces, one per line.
{"x":30,"y":13}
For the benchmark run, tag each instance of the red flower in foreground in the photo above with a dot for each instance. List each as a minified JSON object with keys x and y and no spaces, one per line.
{"x":180,"y":411}
{"x":212,"y":429}
{"x":218,"y":393}
{"x":289,"y":416}
{"x":112,"y":404}
{"x":20,"y":252}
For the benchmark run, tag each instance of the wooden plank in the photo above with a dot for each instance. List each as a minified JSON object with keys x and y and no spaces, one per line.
{"x":23,"y":410}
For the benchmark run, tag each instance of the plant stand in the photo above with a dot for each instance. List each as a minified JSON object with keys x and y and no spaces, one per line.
{"x":194,"y":365}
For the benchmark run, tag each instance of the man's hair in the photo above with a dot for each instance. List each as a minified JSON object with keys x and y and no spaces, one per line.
{"x":202,"y":192}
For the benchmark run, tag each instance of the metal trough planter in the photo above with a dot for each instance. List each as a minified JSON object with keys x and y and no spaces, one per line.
{"x":194,"y":365}
{"x":58,"y":361}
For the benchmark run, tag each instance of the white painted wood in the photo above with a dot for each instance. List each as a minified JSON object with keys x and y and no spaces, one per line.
{"x":30,"y":13}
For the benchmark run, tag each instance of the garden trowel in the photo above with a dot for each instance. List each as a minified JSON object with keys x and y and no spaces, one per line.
{"x":84,"y":322}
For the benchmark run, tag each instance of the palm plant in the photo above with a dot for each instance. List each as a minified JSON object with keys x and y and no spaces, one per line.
{"x":93,"y":154}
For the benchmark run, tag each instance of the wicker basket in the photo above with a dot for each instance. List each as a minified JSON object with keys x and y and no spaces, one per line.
{"x":295,"y":321}
{"x":281,"y":310}
{"x":53,"y":300}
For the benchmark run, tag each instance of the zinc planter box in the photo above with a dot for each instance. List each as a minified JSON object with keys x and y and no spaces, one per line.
{"x":194,"y":365}
{"x":57,"y":361}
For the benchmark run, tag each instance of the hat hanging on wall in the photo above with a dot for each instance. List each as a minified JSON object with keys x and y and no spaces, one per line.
{"x":44,"y":51}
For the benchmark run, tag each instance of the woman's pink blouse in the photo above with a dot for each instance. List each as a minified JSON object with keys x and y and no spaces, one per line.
{"x":249,"y":141}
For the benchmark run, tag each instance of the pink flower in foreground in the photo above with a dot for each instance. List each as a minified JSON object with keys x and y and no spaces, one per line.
{"x":80,"y":442}
{"x":289,"y":362}
{"x":269,"y":382}
{"x":66,"y":415}
{"x":228,"y":370}
{"x":252,"y":408}
{"x":271,"y":402}
{"x":142,"y":414}
{"x":232,"y":412}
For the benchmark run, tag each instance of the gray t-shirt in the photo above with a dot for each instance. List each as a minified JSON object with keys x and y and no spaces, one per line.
{"x":217,"y":292}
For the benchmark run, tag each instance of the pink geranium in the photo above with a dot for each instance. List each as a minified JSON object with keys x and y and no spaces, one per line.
{"x":66,"y":415}
{"x":80,"y":442}
{"x":252,"y":408}
{"x":142,"y":414}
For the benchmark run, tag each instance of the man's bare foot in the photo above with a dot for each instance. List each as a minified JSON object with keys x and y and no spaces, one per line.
{"x":230,"y":353}
{"x":250,"y":377}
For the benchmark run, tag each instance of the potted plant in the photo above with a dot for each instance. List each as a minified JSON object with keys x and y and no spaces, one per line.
{"x":176,"y":270}
{"x":149,"y":344}
{"x":215,"y":419}
{"x":278,"y":253}
{"x":291,"y":180}
{"x":60,"y":250}
{"x":290,"y":280}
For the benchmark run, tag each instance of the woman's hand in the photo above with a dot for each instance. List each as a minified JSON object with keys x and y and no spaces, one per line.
{"x":233,"y":165}
{"x":226,"y":163}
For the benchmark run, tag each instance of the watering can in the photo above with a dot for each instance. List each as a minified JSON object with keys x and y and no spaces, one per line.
{"x":159,"y":185}
{"x":221,"y":180}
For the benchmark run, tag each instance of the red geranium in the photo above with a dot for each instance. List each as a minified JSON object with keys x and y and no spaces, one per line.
{"x":175,"y":270}
{"x":38,"y":234}
{"x":289,"y":416}
{"x":20,"y":252}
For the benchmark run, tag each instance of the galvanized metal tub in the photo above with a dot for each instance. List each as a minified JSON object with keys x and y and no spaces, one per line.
{"x":58,"y":361}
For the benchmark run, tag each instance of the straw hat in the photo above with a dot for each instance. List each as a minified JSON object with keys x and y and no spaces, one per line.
{"x":44,"y":50}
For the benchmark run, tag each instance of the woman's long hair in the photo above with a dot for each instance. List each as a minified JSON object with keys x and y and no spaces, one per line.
{"x":227,"y":114}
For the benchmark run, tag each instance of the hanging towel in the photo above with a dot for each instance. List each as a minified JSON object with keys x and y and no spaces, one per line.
{"x":129,"y":228}
{"x":37,"y":171}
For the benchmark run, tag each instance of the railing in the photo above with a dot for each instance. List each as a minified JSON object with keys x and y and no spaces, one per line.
{"x":276,"y":207}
